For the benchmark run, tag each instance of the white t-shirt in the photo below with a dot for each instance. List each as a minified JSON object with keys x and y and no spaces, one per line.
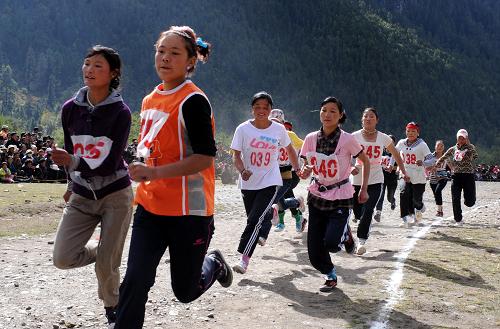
{"x":374,"y":152}
{"x":260,"y":150}
{"x":410,"y":155}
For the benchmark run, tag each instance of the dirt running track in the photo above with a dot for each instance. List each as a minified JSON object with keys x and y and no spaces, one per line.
{"x":280,"y":290}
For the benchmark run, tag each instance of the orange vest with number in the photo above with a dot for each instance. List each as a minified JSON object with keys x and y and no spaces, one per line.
{"x":163,"y":139}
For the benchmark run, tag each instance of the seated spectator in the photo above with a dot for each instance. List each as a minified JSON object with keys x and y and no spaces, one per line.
{"x":28,"y":169}
{"x":41,"y":172}
{"x":27,"y":154}
{"x":13,"y":140}
{"x":5,"y":174}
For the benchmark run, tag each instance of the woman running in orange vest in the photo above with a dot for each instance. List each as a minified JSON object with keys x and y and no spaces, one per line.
{"x":175,"y":196}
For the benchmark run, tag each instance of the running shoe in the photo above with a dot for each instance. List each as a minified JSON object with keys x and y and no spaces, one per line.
{"x":361,"y":247}
{"x":225,"y":276}
{"x":410,"y":220}
{"x":439,"y":214}
{"x":275,"y":219}
{"x":393,"y":205}
{"x":302,"y":205}
{"x":279,"y":228}
{"x":460,"y":223}
{"x":377,"y":215}
{"x":418,"y":216}
{"x":110,"y":312}
{"x":241,"y":267}
{"x":331,"y":281}
{"x":261,"y":241}
{"x":349,"y":243}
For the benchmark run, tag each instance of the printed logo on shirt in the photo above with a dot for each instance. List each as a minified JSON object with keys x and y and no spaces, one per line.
{"x":325,"y":167}
{"x":152,"y":120}
{"x":93,"y":150}
{"x":459,"y":155}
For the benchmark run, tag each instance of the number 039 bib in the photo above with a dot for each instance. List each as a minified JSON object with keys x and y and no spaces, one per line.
{"x":325,"y":167}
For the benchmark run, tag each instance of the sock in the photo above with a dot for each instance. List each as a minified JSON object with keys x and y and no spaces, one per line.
{"x":281,"y":215}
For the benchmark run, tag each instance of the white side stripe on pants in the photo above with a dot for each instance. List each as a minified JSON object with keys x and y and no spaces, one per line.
{"x":255,"y":233}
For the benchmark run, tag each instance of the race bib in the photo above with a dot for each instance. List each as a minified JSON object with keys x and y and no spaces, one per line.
{"x":262,"y":151}
{"x":374,"y":154}
{"x":93,"y":150}
{"x":386,"y":161}
{"x":283,"y":158}
{"x":325,"y":167}
{"x":459,"y":155}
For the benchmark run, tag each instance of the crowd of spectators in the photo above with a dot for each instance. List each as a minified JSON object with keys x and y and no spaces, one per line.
{"x":27,"y":157}
{"x":489,"y":173}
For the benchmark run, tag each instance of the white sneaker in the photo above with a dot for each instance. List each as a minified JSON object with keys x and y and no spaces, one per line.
{"x":302,"y":205}
{"x":361,"y":247}
{"x":275,"y":219}
{"x":261,"y":241}
{"x":410,"y":221}
{"x":241,"y":267}
{"x":460,"y":223}
{"x":377,"y":216}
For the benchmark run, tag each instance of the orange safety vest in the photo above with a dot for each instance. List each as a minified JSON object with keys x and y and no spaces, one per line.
{"x":162,"y":140}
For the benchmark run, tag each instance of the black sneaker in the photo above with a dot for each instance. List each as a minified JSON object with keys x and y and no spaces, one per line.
{"x":328,"y":286}
{"x":225,"y":276}
{"x":349,"y":243}
{"x":110,"y":313}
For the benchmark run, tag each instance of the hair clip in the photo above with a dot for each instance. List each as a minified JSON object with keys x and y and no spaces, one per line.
{"x":201,"y":43}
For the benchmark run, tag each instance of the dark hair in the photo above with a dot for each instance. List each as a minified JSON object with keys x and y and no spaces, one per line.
{"x":331,"y":99}
{"x":262,"y":95}
{"x":196,"y":47}
{"x":371,"y":109}
{"x":113,"y":59}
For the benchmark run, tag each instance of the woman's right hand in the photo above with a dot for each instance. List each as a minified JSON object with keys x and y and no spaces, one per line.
{"x":245,"y":174}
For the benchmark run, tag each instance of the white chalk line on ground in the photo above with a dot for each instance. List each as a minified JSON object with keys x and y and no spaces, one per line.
{"x":394,"y":282}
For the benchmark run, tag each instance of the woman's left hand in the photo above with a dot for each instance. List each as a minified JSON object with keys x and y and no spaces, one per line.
{"x":419,"y":163}
{"x":61,"y":157}
{"x":139,"y":172}
{"x":362,"y":196}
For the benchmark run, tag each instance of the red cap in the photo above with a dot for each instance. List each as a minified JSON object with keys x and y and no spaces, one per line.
{"x":413,"y":125}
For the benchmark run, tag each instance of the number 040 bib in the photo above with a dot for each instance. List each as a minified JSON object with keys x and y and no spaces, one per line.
{"x":325,"y":167}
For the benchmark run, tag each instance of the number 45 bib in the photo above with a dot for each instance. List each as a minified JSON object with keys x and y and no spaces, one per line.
{"x":325,"y":167}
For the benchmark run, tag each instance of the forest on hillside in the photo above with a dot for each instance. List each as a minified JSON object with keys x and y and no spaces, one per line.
{"x":434,"y":62}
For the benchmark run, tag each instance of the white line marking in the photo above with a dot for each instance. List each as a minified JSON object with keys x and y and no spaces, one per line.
{"x":394,"y":282}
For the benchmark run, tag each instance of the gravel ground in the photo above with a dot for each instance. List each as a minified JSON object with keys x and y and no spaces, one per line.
{"x":449,"y":280}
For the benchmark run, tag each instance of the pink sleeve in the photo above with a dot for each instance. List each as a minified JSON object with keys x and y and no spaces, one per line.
{"x":308,"y":144}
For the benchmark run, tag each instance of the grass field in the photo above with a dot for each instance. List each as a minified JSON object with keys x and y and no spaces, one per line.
{"x":30,"y":209}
